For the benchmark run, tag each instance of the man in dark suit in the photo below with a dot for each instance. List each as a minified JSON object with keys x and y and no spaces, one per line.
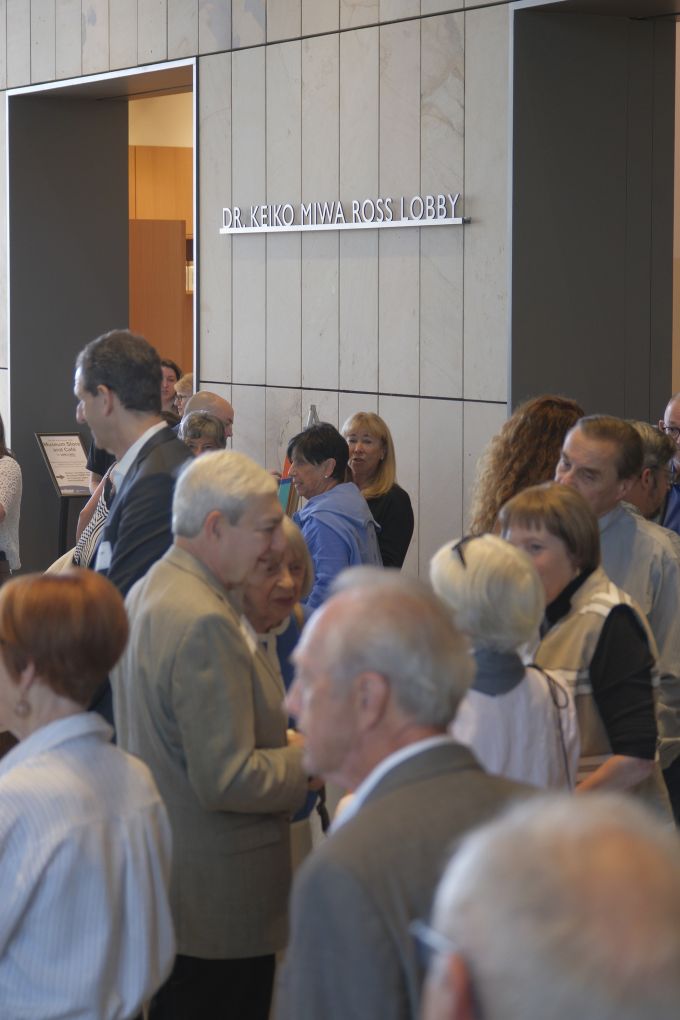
{"x":380,"y":671}
{"x":118,"y":388}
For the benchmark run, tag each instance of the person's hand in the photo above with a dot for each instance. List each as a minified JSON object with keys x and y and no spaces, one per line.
{"x":295,"y":740}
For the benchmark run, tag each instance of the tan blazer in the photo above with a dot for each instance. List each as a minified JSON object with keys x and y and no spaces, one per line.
{"x":189,"y":702}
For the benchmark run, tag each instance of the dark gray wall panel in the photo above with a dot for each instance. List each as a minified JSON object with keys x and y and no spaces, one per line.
{"x":592,"y":210}
{"x":68,"y":195}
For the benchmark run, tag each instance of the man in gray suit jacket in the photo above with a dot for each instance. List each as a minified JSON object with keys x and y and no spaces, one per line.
{"x":189,"y":702}
{"x":380,"y":671}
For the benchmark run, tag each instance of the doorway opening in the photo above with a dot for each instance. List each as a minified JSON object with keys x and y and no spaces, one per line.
{"x":69,"y":257}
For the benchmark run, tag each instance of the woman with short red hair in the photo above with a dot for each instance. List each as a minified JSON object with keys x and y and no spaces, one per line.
{"x":85,"y":926}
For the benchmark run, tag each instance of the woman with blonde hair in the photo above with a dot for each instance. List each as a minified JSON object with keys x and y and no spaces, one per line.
{"x":519,"y":721}
{"x":525,"y":452}
{"x":373,"y":465}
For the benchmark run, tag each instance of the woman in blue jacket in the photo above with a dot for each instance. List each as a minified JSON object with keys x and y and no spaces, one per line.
{"x":336,"y":522}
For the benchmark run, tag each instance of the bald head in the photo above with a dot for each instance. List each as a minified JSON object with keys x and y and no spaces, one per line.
{"x":204,"y":400}
{"x":566,"y":907}
{"x":387,"y":655}
{"x":670,"y":424}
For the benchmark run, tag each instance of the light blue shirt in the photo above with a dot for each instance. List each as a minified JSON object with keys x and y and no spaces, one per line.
{"x":85,"y":924}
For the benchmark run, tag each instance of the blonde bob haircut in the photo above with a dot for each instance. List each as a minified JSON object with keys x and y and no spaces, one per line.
{"x":494,"y":591}
{"x":564,"y":513}
{"x":72,"y":626}
{"x":386,"y":473}
{"x":298,"y":547}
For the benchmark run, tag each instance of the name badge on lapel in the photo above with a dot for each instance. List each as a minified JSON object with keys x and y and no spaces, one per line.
{"x":103,"y":560}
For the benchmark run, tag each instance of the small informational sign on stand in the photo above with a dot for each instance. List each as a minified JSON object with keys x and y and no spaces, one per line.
{"x":66,"y":459}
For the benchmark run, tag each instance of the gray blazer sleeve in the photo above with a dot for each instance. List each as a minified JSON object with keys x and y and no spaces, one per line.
{"x":341,"y":960}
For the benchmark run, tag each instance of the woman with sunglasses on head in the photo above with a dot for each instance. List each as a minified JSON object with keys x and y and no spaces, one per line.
{"x":519,"y":721}
{"x":594,"y":637}
{"x":373,"y":465}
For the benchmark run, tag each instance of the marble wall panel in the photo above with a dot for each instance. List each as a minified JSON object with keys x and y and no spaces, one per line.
{"x":248,"y":127}
{"x":182,"y":28}
{"x":441,"y":311}
{"x":354,"y":13}
{"x":320,"y":266}
{"x":442,"y":166}
{"x":68,"y":39}
{"x":391,"y":9}
{"x":481,"y":421}
{"x":123,"y":34}
{"x":325,"y":402}
{"x":95,"y":36}
{"x":214,"y":25}
{"x":399,"y":310}
{"x":283,"y":420}
{"x":358,"y":308}
{"x":441,"y":473}
{"x":4,"y":352}
{"x":3,"y":44}
{"x":248,"y":187}
{"x":320,"y":119}
{"x":249,"y":418}
{"x":42,"y":41}
{"x":284,"y":122}
{"x":284,"y":19}
{"x":400,"y":109}
{"x":402,"y":415}
{"x":487,"y":185}
{"x":442,"y":122}
{"x":435,"y":6}
{"x":18,"y":43}
{"x":350,"y":403}
{"x":248,"y":22}
{"x":320,"y":183}
{"x":359,"y":114}
{"x":320,"y":16}
{"x":4,"y":404}
{"x":214,"y":262}
{"x":284,"y":310}
{"x":249,"y":308}
{"x":152,"y":31}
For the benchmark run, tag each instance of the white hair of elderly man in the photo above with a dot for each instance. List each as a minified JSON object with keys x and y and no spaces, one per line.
{"x":565,"y":907}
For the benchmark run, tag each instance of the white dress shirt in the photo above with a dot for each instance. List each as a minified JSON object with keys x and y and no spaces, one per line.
{"x":85,"y":926}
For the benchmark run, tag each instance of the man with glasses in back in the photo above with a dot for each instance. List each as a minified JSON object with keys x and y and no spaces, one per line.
{"x":670,"y":424}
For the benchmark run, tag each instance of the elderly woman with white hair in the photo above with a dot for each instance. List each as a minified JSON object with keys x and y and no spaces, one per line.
{"x":519,"y":721}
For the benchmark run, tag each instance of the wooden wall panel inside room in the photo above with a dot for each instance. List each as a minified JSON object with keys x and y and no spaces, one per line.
{"x":160,"y":308}
{"x":163,"y":184}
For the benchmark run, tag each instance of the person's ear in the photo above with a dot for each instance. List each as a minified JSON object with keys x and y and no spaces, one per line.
{"x":373,"y":695}
{"x":214,"y":523}
{"x":328,"y":467}
{"x":108,"y":398}
{"x":625,"y":486}
{"x":647,"y":479}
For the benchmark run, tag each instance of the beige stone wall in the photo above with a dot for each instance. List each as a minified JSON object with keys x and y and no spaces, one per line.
{"x":299,"y":101}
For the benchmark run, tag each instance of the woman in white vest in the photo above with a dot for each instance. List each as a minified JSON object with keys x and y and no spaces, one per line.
{"x":595,"y":637}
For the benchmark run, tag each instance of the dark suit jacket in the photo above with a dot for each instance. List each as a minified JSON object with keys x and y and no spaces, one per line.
{"x":350,"y":955}
{"x":139,"y":525}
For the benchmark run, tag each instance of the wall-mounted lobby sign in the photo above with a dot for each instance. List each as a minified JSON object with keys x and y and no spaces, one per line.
{"x":366,"y":213}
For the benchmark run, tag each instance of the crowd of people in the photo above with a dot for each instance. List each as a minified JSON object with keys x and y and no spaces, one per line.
{"x":186,"y":682}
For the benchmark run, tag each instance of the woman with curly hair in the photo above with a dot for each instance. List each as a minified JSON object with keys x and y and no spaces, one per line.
{"x":525,"y":452}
